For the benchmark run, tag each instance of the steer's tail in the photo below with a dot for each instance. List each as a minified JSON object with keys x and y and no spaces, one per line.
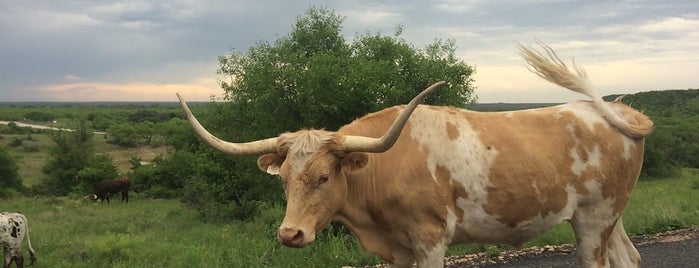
{"x":32,"y":256}
{"x":551,"y":68}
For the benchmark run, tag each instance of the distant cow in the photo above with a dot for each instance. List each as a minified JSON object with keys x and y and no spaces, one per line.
{"x":106,"y":188}
{"x":411,"y":180}
{"x":13,"y":227}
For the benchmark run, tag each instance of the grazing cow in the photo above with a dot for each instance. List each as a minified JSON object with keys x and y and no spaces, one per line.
{"x":102,"y":190}
{"x":457,"y":176}
{"x":13,"y":227}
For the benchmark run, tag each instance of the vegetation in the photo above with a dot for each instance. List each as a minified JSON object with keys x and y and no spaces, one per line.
{"x":675,"y":139}
{"x":310,"y":78}
{"x":9,"y":177}
{"x":75,"y":232}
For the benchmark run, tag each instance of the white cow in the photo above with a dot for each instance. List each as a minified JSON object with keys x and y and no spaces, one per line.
{"x":13,"y":227}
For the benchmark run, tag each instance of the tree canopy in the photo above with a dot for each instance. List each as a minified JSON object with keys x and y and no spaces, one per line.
{"x":314,"y":78}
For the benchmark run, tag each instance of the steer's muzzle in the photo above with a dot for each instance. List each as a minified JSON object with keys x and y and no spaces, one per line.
{"x":291,"y":237}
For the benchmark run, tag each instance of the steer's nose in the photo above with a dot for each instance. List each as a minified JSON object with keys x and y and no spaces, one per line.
{"x":291,"y":237}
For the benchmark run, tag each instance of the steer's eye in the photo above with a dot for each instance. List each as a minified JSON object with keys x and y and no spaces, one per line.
{"x":323,"y":179}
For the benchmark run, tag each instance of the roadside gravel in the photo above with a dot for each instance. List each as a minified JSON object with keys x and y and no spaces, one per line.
{"x":678,"y":248}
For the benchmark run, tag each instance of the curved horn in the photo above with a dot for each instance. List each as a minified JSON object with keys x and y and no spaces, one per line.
{"x":382,"y":144}
{"x":248,"y":148}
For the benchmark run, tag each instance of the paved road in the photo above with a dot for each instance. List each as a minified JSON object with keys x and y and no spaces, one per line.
{"x":673,"y":249}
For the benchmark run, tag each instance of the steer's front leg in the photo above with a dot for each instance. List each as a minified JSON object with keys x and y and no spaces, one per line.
{"x":428,"y":258}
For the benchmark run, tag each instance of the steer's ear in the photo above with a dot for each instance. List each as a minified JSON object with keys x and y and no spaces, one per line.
{"x":270,"y":163}
{"x":354,"y":160}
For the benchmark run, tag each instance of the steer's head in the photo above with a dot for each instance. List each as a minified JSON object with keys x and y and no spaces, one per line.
{"x":92,"y":197}
{"x":311,"y":164}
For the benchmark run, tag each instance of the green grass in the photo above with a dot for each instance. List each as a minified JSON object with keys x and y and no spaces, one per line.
{"x":29,"y":156}
{"x":75,"y":232}
{"x":32,"y":154}
{"x":664,"y":204}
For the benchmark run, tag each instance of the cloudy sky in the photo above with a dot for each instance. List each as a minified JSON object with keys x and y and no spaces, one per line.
{"x":72,"y":50}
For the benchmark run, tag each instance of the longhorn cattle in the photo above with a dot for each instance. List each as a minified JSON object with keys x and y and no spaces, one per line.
{"x":13,"y":228}
{"x":411,"y":180}
{"x":102,"y":190}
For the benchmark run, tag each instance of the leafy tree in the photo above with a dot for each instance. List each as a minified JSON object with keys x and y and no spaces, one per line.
{"x":9,"y":176}
{"x":675,"y":138}
{"x":178,"y":134}
{"x":40,"y":116}
{"x":312,"y":78}
{"x":98,"y":167}
{"x":70,"y":154}
{"x":149,"y":115}
{"x":146,"y":130}
{"x":123,"y":134}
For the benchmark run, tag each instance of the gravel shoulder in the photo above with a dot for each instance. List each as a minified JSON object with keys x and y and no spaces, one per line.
{"x":678,"y":248}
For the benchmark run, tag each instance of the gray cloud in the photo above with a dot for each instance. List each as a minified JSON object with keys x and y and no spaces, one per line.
{"x":48,"y":42}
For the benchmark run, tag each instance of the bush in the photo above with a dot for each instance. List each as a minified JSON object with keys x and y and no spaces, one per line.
{"x":16,"y":142}
{"x":9,"y":176}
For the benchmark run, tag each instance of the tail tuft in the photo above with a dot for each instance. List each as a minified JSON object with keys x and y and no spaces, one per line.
{"x":550,"y":67}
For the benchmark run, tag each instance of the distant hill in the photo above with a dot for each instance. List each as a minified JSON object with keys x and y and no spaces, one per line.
{"x":664,"y":102}
{"x":501,"y":106}
{"x":659,"y":102}
{"x":98,"y":103}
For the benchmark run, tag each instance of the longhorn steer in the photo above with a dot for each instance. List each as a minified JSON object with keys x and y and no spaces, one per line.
{"x":102,"y":190}
{"x":13,"y":228}
{"x":456,"y":176}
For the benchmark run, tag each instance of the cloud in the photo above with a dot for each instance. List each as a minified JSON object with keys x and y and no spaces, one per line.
{"x":88,"y":46}
{"x":200,"y":90}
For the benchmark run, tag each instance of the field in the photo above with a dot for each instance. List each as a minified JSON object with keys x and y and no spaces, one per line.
{"x":30,"y":156}
{"x":74,"y":232}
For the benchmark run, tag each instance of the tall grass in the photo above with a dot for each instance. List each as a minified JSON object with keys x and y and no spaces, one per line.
{"x":75,"y":232}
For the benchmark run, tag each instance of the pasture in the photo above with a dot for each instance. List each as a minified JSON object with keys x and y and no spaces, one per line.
{"x":75,"y":232}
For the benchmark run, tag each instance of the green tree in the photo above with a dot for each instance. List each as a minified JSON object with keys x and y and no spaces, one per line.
{"x":9,"y":176}
{"x":123,"y":134}
{"x":70,"y":154}
{"x":98,"y":167}
{"x":146,"y":130}
{"x":312,"y":78}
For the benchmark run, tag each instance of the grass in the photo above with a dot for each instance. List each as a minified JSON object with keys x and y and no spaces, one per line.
{"x":75,"y":232}
{"x":33,"y":152}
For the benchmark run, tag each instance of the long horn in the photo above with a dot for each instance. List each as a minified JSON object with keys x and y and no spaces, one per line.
{"x":249,"y":148}
{"x":382,"y":144}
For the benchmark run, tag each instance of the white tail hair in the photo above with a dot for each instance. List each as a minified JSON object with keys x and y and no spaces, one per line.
{"x":554,"y":70}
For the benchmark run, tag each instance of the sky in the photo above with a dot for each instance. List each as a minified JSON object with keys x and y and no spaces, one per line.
{"x":116,"y":50}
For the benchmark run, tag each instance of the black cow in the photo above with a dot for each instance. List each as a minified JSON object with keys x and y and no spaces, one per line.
{"x":106,"y":188}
